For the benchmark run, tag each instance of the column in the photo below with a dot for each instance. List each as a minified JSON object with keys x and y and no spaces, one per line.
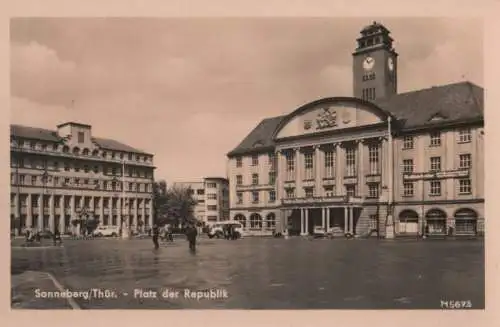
{"x":91,"y":204}
{"x":298,"y":172}
{"x":40,"y":211}
{"x":339,"y":166}
{"x":307,"y":222}
{"x":323,"y":218}
{"x":361,"y":171}
{"x":143,"y":213}
{"x":136,"y":209}
{"x":119,"y":204}
{"x":317,"y":170}
{"x":351,"y":220}
{"x":327,"y":219}
{"x":101,"y":210}
{"x":51,"y":213}
{"x":62,"y":216}
{"x":278,"y":171}
{"x":150,"y":223}
{"x":302,"y":223}
{"x":29,"y":213}
{"x":72,"y":206}
{"x":346,"y":220}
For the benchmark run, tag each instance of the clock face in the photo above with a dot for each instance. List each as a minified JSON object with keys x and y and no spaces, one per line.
{"x":368,"y":63}
{"x":390,"y":64}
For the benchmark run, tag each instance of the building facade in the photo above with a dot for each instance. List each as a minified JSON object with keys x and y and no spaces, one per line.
{"x":212,"y":197}
{"x":59,"y":175}
{"x":378,"y":163}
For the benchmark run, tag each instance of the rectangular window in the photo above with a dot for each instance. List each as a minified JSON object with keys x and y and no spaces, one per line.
{"x":290,"y":166}
{"x":255,"y":197}
{"x":81,"y":137}
{"x":408,"y":166}
{"x":66,"y":166}
{"x":350,"y":190}
{"x":435,"y":139}
{"x":272,"y":178}
{"x":290,"y":193}
{"x":330,"y":158}
{"x":309,"y":165}
{"x":212,"y":208}
{"x":255,"y":160}
{"x":200,"y":191}
{"x":373,"y":157}
{"x":373,"y":190}
{"x":211,"y":185}
{"x":464,"y":135}
{"x":465,"y":161}
{"x":330,"y":190}
{"x":435,"y":188}
{"x":309,"y":191}
{"x":350,"y":161}
{"x":270,"y":159}
{"x":272,"y":196}
{"x":33,"y":180}
{"x":373,"y":222}
{"x":255,"y":179}
{"x":464,"y":186}
{"x":239,"y":197}
{"x":211,"y":196}
{"x":239,"y":162}
{"x":408,"y":142}
{"x":239,"y":180}
{"x":435,"y":164}
{"x":408,"y":189}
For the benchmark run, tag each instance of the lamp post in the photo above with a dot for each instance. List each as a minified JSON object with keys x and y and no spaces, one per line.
{"x":45,"y":176}
{"x":389,"y":228}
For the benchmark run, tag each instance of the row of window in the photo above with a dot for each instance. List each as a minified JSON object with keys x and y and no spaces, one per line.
{"x":465,"y":162}
{"x":79,"y":201}
{"x":115,"y":170}
{"x":56,"y":181}
{"x":271,"y":160}
{"x":464,"y":136}
{"x":53,"y":147}
{"x":464,"y":187}
{"x":369,"y":94}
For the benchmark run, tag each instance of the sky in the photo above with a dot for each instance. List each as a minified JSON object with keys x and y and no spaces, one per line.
{"x":189,"y":90}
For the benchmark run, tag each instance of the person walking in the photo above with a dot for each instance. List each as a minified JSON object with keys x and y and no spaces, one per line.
{"x":155,"y":232}
{"x":57,"y":237}
{"x":191,"y":234}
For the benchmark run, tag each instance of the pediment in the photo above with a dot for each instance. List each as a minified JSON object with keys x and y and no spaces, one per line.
{"x":327,"y":116}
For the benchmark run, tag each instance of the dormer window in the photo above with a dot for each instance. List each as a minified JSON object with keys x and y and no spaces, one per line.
{"x":81,"y":137}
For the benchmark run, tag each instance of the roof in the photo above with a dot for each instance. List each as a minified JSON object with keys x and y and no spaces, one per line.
{"x":36,"y":133}
{"x":451,"y":103}
{"x":260,"y":137}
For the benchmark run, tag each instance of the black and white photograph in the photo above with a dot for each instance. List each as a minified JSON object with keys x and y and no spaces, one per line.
{"x":251,"y":163}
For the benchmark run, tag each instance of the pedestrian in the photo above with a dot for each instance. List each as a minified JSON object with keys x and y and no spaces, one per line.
{"x":155,"y":232}
{"x":191,"y":234}
{"x":57,"y":236}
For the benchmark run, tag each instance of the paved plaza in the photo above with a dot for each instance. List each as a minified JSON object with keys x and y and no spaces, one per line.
{"x":254,"y":273}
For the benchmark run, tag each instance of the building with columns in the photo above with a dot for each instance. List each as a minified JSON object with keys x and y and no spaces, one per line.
{"x":212,"y":198}
{"x":59,"y":175}
{"x":377,"y":163}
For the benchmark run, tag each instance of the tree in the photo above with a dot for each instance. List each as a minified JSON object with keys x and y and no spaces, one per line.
{"x":174,"y":205}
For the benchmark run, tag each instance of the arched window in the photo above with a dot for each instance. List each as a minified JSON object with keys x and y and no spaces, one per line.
{"x":465,"y":221}
{"x":85,"y":152}
{"x":76,"y":150}
{"x":65,"y":149}
{"x":95,"y":153}
{"x":241,"y":219}
{"x":255,"y":221}
{"x":436,"y":221}
{"x":408,"y":222}
{"x":271,"y":220}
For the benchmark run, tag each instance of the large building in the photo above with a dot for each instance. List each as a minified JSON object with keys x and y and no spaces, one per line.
{"x":212,"y":198}
{"x":59,"y":175}
{"x":380,"y":162}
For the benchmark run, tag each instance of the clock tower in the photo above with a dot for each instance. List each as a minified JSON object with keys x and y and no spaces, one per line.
{"x":374,"y":64}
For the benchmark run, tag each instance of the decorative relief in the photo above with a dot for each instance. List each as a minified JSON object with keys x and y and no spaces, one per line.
{"x":326,"y":119}
{"x":346,"y":116}
{"x":307,"y":124}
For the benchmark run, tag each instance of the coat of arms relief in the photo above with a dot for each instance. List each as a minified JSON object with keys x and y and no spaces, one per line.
{"x":326,"y":119}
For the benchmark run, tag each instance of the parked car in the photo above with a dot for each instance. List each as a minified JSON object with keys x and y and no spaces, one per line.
{"x":107,"y":231}
{"x":217,"y":229}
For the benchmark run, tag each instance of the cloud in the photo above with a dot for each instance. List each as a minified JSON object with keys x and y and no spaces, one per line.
{"x":38,"y":73}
